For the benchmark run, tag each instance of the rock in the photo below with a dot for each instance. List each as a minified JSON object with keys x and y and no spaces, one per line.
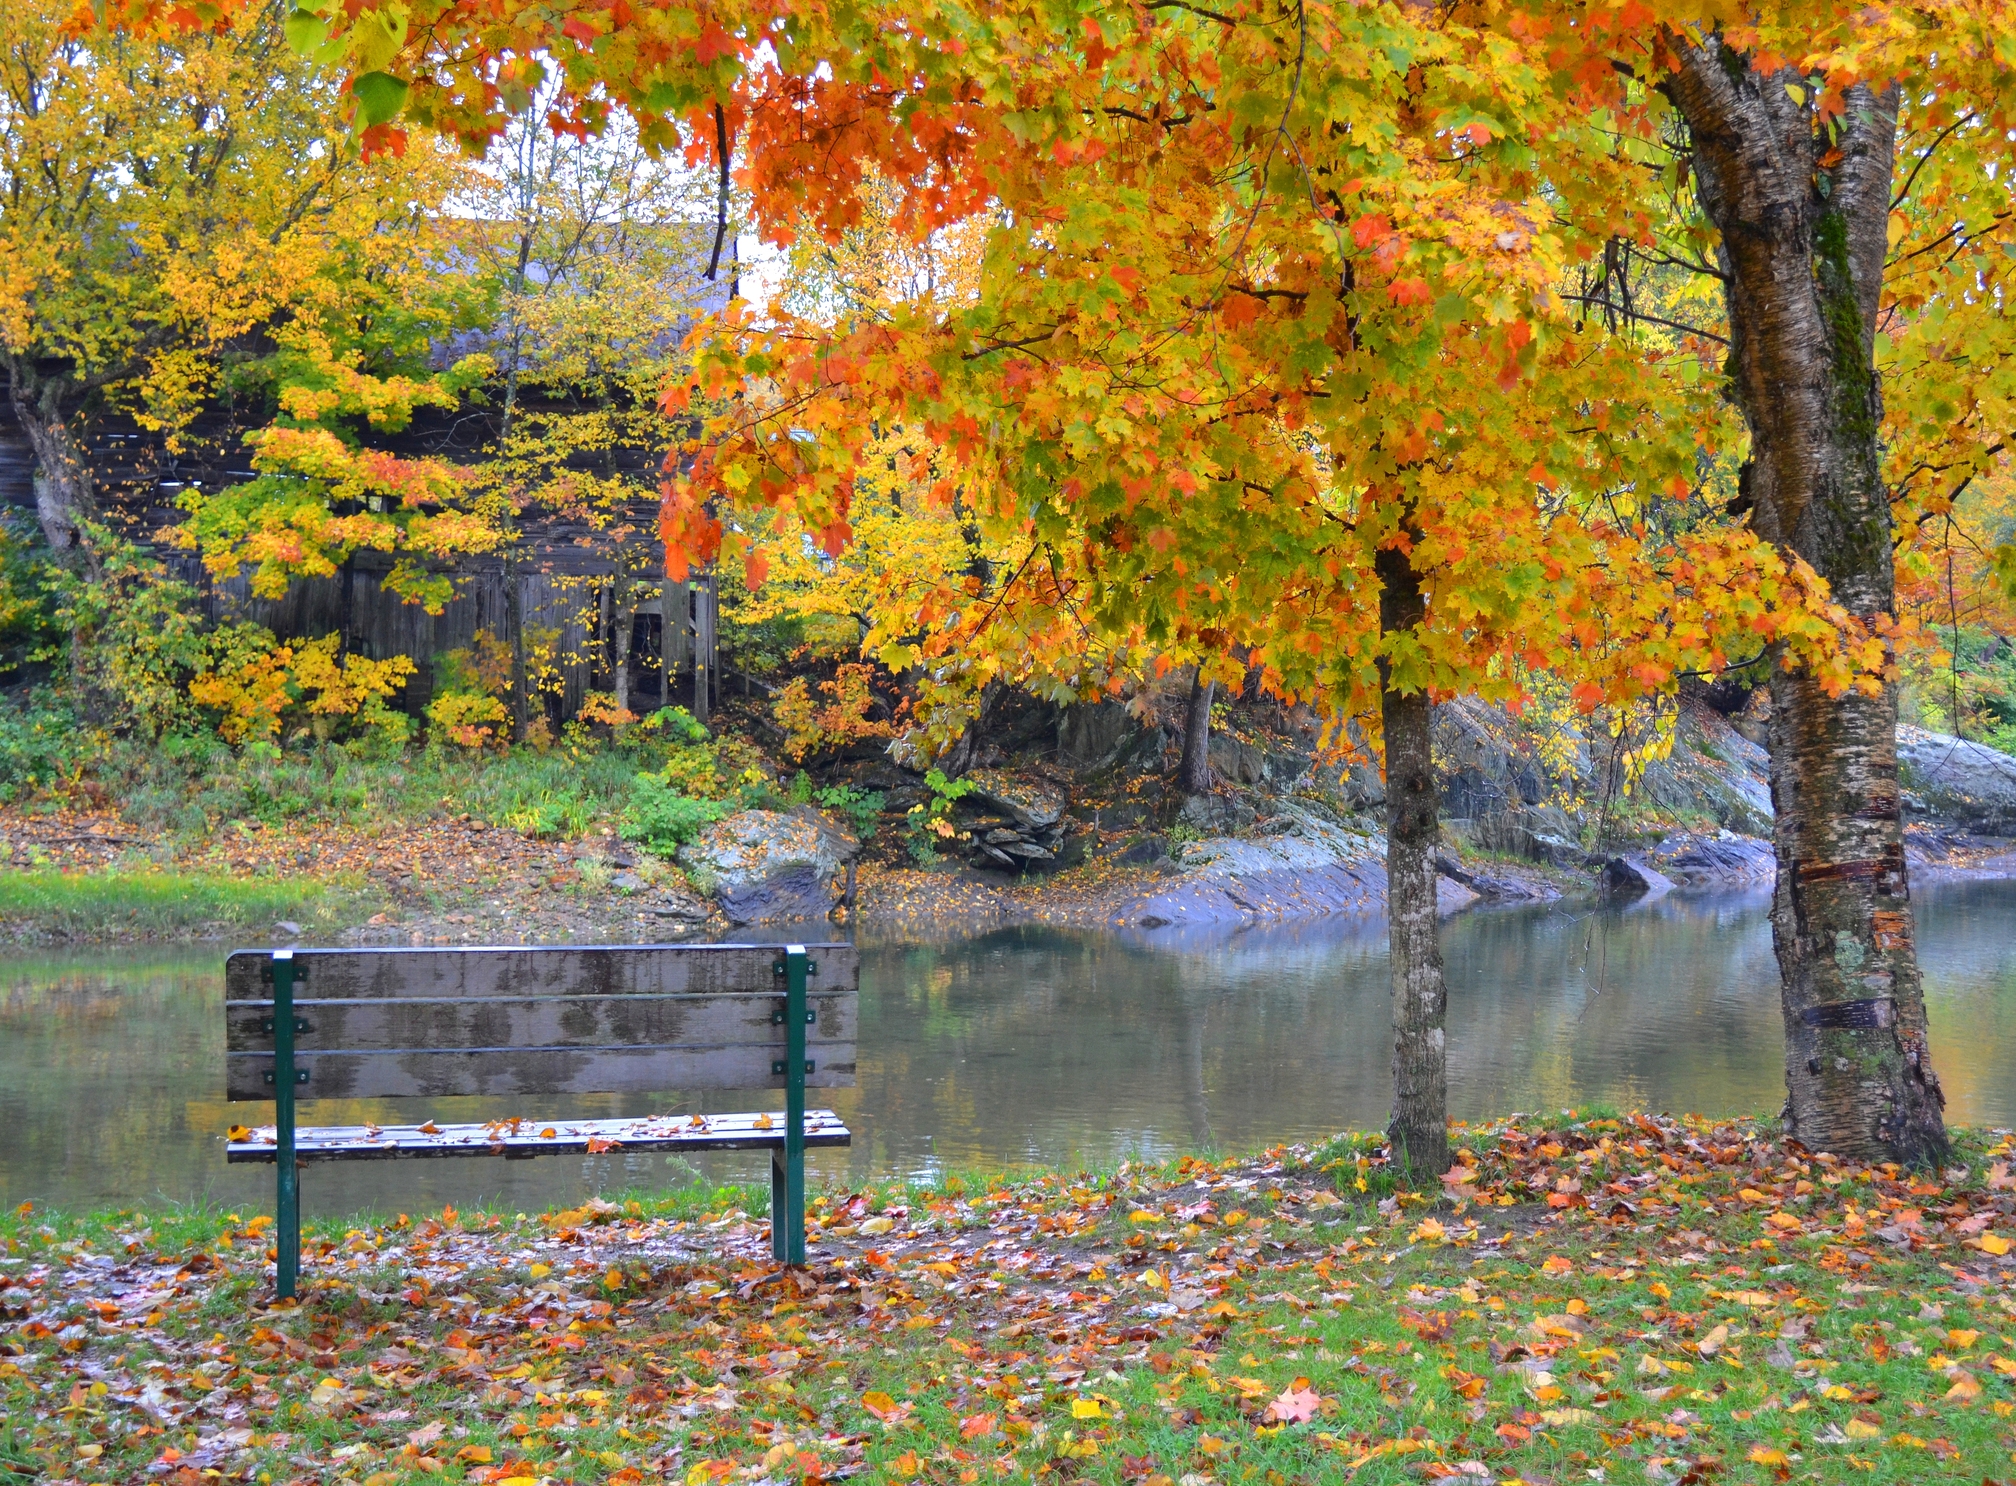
{"x":1147,"y":850}
{"x":1539,"y":833}
{"x":1967,"y":784}
{"x":1028,"y":851}
{"x":1705,"y":859}
{"x":620,"y":855}
{"x":1218,"y":812}
{"x":1096,"y":733}
{"x":1633,"y":877}
{"x":678,"y":906}
{"x":1001,"y":837}
{"x":1031,"y":804}
{"x":767,"y":864}
{"x":1496,"y":887}
{"x":1311,"y":868}
{"x":628,"y":882}
{"x":286,"y":928}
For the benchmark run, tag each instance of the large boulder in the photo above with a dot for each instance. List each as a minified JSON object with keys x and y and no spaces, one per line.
{"x":1949,"y":779}
{"x":767,"y":864}
{"x":1030,"y":803}
{"x":1633,"y":877}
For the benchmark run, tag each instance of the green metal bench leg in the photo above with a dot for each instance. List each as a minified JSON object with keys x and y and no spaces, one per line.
{"x":787,"y":1167}
{"x":287,"y":1203}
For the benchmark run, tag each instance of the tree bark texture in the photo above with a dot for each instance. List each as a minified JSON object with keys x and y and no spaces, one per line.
{"x":1193,"y":773}
{"x":64,"y":497}
{"x":1419,"y":1130}
{"x":621,"y":638}
{"x":1803,"y":209}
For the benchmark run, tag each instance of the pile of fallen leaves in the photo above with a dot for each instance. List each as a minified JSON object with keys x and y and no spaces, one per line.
{"x":1608,"y":1299}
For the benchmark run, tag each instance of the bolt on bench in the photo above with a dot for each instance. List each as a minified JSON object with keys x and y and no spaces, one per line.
{"x":507,"y":1023}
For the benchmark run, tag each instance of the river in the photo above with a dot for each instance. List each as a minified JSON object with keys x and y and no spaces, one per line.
{"x":1031,"y":1045}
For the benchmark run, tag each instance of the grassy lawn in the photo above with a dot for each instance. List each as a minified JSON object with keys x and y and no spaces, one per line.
{"x":166,"y":904}
{"x":1604,"y":1298}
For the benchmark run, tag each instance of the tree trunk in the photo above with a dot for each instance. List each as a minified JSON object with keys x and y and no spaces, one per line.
{"x":1419,"y":1131}
{"x":703,"y":649}
{"x":1193,"y":774}
{"x":620,"y":642}
{"x":1802,"y":248}
{"x":64,"y":498}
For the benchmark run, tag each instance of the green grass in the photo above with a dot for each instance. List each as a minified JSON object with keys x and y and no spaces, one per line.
{"x":1738,"y":1329}
{"x":154,"y":905}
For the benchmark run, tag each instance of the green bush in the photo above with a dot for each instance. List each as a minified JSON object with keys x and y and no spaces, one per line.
{"x":661,"y":820}
{"x":862,"y":806}
{"x":40,"y":743}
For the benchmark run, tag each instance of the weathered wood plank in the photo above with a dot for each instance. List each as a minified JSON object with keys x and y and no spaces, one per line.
{"x":505,"y":1071}
{"x":563,"y":970}
{"x":524,"y":1139}
{"x":372,"y":1025}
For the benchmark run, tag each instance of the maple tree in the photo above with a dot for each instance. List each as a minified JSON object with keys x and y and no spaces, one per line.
{"x":1270,"y":322}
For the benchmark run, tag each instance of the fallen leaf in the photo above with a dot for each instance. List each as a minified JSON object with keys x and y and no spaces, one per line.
{"x":1710,"y":1344}
{"x":1298,"y":1404}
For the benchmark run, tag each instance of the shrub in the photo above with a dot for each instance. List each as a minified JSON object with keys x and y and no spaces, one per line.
{"x":40,"y":744}
{"x":662,"y":820}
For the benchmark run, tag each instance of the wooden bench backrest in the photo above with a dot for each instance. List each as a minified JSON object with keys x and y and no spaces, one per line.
{"x":379,"y":1023}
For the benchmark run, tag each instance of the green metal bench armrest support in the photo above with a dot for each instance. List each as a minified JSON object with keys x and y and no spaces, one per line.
{"x":287,"y":1178}
{"x":787,"y":1167}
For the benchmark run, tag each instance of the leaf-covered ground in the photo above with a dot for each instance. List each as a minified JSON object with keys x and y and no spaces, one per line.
{"x":1616,"y":1299}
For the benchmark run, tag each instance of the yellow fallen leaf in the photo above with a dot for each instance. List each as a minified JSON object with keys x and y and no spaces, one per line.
{"x":904,"y":1466}
{"x":540,"y":1271}
{"x":430,"y":1128}
{"x":1754,"y":1297}
{"x":1965,"y":1389}
{"x":1961,"y":1338}
{"x":1783,"y":1222}
{"x":1765,"y":1455}
{"x":236,"y":1134}
{"x":1751,"y":1194}
{"x":875,"y":1227}
{"x":1428,"y":1230}
{"x":1992,"y":1243}
{"x":761,"y":1122}
{"x":1143,"y":1219}
{"x":549,"y":1133}
{"x":1660,"y":1290}
{"x":474,"y":1454}
{"x":1835,"y":1393}
{"x":1086,"y":1408}
{"x":1561,"y":1418}
{"x":1862,"y":1429}
{"x":1710,"y":1344}
{"x":1555,"y":1264}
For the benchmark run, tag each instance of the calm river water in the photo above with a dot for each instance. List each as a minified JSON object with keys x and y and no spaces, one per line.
{"x":1034,"y":1045}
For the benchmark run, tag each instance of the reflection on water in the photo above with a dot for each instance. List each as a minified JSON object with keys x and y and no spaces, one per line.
{"x":1035,"y":1045}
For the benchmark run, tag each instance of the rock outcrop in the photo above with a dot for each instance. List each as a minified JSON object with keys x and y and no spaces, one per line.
{"x":1954,"y":782}
{"x":764,"y":865}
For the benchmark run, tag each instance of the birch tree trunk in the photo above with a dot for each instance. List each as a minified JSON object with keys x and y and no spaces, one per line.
{"x":1419,"y":1130}
{"x":1802,"y":206}
{"x":1193,"y":773}
{"x":621,"y":639}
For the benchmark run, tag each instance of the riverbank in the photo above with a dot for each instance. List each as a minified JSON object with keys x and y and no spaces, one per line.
{"x":1590,"y":1296}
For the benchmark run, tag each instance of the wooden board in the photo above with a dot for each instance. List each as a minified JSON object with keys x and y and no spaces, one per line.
{"x":542,"y":1021}
{"x":534,"y":1070}
{"x":524,"y":1139}
{"x":564,"y":1020}
{"x":579,"y":971}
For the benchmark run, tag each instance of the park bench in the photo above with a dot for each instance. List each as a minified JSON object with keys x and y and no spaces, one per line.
{"x":510,"y":1023}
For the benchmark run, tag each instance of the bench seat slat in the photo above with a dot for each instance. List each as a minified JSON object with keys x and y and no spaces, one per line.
{"x":566,"y":970}
{"x":372,"y":1025}
{"x":519,"y":1071}
{"x":731,"y":1132}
